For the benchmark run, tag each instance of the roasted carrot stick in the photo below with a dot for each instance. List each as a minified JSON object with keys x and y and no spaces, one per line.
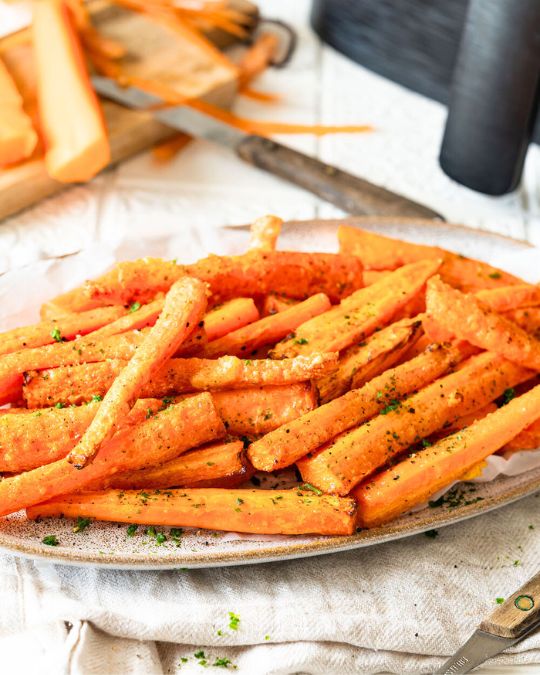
{"x":290,"y":442}
{"x":223,"y":463}
{"x":17,"y":136}
{"x":466,"y":317}
{"x":527,"y":318}
{"x":229,"y":317}
{"x":360,"y":314}
{"x":265,"y":232}
{"x":274,"y":303}
{"x":255,"y":273}
{"x":360,"y":363}
{"x":79,"y":384}
{"x":245,"y":341}
{"x":183,"y":309}
{"x":64,"y":328}
{"x":158,"y":439}
{"x":354,"y":455}
{"x":77,"y":146}
{"x":509,"y":298}
{"x":256,"y":511}
{"x":378,"y":252}
{"x":528,"y":439}
{"x":138,"y":317}
{"x":419,"y":476}
{"x":371,"y":276}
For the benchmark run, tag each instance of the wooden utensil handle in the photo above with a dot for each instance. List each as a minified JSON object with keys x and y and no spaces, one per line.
{"x":352,"y":194}
{"x":518,"y":614}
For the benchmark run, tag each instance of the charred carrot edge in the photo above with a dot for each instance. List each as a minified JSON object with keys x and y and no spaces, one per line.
{"x":17,"y":136}
{"x":416,"y":478}
{"x":360,"y":314}
{"x":158,"y":439}
{"x":255,"y":511}
{"x":469,"y":319}
{"x":356,"y":454}
{"x":270,"y":329}
{"x":290,"y":442}
{"x":183,"y":309}
{"x":265,"y":232}
{"x":361,"y":363}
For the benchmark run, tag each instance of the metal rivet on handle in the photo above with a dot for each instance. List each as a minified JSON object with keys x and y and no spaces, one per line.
{"x":524,"y":602}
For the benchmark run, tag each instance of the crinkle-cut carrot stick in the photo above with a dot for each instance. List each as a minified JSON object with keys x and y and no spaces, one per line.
{"x":80,"y":384}
{"x":217,"y":465}
{"x":17,"y":136}
{"x":245,"y":341}
{"x":360,"y":314}
{"x":508,"y":298}
{"x":469,"y":319}
{"x":241,"y":510}
{"x":64,"y":328}
{"x":361,"y":363}
{"x":274,"y":303}
{"x":265,"y":232}
{"x":528,"y":319}
{"x":158,"y":439}
{"x":77,"y":147}
{"x":32,"y":438}
{"x":255,"y":273}
{"x":290,"y":442}
{"x":379,"y":252}
{"x":184,"y":307}
{"x":351,"y":457}
{"x":415,"y":479}
{"x":230,"y":316}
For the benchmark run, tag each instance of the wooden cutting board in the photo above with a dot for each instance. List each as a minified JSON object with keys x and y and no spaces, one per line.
{"x":152,"y":52}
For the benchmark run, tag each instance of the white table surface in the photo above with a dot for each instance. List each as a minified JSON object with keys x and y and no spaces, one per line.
{"x":208,"y":186}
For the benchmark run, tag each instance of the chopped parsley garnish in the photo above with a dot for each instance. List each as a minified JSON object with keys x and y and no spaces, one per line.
{"x":426,"y":443}
{"x":300,"y":341}
{"x":56,"y":334}
{"x":266,"y":637}
{"x":59,"y":405}
{"x":309,"y":486}
{"x":494,"y":275}
{"x":160,"y":538}
{"x":50,"y":540}
{"x":151,"y":531}
{"x":82,"y":524}
{"x":432,"y":534}
{"x":200,"y":654}
{"x":393,"y":405}
{"x":132,"y":529}
{"x":135,"y":306}
{"x":97,"y":398}
{"x":222,"y":662}
{"x":456,"y":497}
{"x":499,"y":601}
{"x":234,"y":621}
{"x":507,"y":396}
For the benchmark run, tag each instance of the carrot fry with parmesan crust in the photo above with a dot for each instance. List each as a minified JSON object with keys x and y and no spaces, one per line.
{"x":157,"y":440}
{"x":339,"y":466}
{"x":528,"y":439}
{"x":289,"y":443}
{"x":230,"y":316}
{"x":508,"y":298}
{"x":256,"y":511}
{"x":245,"y":341}
{"x":265,"y":232}
{"x":360,"y":314}
{"x":527,"y":318}
{"x":79,"y":384}
{"x":183,"y":308}
{"x":418,"y":477}
{"x":466,"y":317}
{"x":138,"y":317}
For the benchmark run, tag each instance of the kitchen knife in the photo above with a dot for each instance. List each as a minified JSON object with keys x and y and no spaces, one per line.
{"x":350,"y":193}
{"x":509,"y":623}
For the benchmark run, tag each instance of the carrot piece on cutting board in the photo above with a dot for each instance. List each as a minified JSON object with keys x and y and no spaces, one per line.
{"x":17,"y":136}
{"x":76,"y":141}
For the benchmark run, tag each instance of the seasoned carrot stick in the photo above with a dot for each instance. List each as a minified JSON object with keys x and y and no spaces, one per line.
{"x":290,"y":442}
{"x":528,"y":439}
{"x":17,"y":136}
{"x":469,"y":319}
{"x":183,"y":309}
{"x":265,"y":232}
{"x":229,"y":317}
{"x":255,"y":273}
{"x":378,"y":252}
{"x":360,"y":363}
{"x":508,"y":298}
{"x":354,"y":455}
{"x":255,"y":511}
{"x":245,"y":341}
{"x":223,"y":463}
{"x":274,"y":303}
{"x":527,"y":318}
{"x":158,"y":439}
{"x":359,"y":315}
{"x":419,"y":476}
{"x":371,"y":276}
{"x":138,"y":317}
{"x":79,"y":384}
{"x":64,"y":328}
{"x":77,"y":146}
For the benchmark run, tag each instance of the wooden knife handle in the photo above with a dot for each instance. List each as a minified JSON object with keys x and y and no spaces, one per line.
{"x":354,"y":195}
{"x":519,"y":614}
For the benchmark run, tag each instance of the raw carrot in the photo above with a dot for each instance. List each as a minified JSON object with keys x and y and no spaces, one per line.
{"x":76,"y":140}
{"x":290,"y":442}
{"x":255,"y":511}
{"x":360,"y":314}
{"x":158,"y":439}
{"x":265,"y":232}
{"x":245,"y":341}
{"x":17,"y":136}
{"x":339,"y":466}
{"x":469,"y":319}
{"x":64,"y":328}
{"x":361,"y":363}
{"x":79,"y":384}
{"x":419,"y":476}
{"x":183,"y":309}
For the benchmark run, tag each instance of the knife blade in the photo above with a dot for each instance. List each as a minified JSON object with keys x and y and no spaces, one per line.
{"x":350,"y":193}
{"x":509,"y":623}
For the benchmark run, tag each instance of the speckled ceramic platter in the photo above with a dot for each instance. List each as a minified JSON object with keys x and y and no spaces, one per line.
{"x":107,"y":544}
